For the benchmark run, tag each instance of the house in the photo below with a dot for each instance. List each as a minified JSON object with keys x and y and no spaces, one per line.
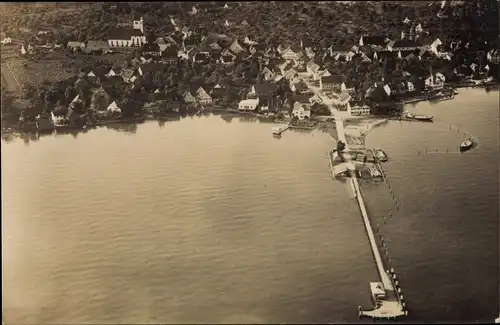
{"x":97,"y":46}
{"x":291,"y":73}
{"x":151,"y":68}
{"x":113,"y":72}
{"x":315,"y":99}
{"x":162,"y":45}
{"x":113,"y":108}
{"x":322,"y":73}
{"x":188,"y":98}
{"x":227,"y":59}
{"x":404,"y":45}
{"x":304,"y":99}
{"x":301,"y":111}
{"x":75,"y":45}
{"x":378,"y":93}
{"x":358,"y":107}
{"x":201,"y":57}
{"x":57,"y":119}
{"x":129,"y":75}
{"x":267,"y":74}
{"x":218,"y":93}
{"x":214,"y":46}
{"x":286,"y":109}
{"x":6,"y":40}
{"x":349,"y":86}
{"x":292,"y":53}
{"x":173,"y":106}
{"x":203,"y":97}
{"x":170,"y":55}
{"x":248,"y":104}
{"x":236,"y":48}
{"x":435,"y":82}
{"x":266,"y":106}
{"x":151,"y":49}
{"x":127,"y":37}
{"x":331,"y":83}
{"x":312,"y":68}
{"x":375,"y":42}
{"x":300,"y":88}
{"x":27,"y":49}
{"x":264,"y":89}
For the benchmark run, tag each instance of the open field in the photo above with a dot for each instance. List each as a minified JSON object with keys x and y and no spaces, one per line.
{"x":8,"y":80}
{"x":55,"y":66}
{"x":35,"y":72}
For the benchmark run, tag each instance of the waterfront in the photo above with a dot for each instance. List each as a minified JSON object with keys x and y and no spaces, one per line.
{"x":207,"y":221}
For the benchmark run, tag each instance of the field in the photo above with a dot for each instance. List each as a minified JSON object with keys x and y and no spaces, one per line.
{"x":8,"y":80}
{"x":54,"y":66}
{"x":36,"y":72}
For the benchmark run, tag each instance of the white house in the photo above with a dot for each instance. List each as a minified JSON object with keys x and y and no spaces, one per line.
{"x":358,"y":108}
{"x":113,"y":108}
{"x":301,"y":111}
{"x":312,"y":68}
{"x":435,"y":82}
{"x":248,"y":104}
{"x":57,"y":119}
{"x":290,"y":54}
{"x":6,"y":40}
{"x":203,"y":97}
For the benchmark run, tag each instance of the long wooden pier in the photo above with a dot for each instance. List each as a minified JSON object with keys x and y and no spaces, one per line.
{"x":390,"y":305}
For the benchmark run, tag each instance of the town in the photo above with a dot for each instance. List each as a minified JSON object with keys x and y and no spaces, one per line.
{"x":131,"y":72}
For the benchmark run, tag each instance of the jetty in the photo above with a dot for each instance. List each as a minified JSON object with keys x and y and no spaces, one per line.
{"x":387,"y":296}
{"x":277,"y":131}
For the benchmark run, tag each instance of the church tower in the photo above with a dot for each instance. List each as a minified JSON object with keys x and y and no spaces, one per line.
{"x":139,"y":24}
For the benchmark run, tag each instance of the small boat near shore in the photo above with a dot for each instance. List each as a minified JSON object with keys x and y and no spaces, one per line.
{"x":439,"y":97}
{"x":466,"y":145}
{"x":277,"y":131}
{"x":380,"y":155}
{"x":421,"y":118}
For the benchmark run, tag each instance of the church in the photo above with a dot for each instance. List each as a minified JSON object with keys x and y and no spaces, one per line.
{"x":128,"y":37}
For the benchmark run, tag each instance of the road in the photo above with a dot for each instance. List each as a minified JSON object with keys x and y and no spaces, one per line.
{"x":8,"y":80}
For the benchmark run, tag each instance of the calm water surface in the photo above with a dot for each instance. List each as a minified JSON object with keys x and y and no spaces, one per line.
{"x":197,"y":221}
{"x":210,"y":221}
{"x":443,"y":241}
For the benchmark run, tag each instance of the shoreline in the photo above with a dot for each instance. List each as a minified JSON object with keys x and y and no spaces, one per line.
{"x":364,"y":123}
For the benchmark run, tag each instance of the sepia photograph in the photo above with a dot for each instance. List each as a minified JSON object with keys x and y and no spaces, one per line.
{"x":250,"y":162}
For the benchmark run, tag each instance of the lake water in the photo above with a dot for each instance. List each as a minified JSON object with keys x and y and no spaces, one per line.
{"x":206,"y":220}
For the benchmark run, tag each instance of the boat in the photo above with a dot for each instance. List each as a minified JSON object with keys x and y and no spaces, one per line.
{"x":441,"y":97}
{"x":422,"y":118}
{"x":466,"y":145}
{"x":277,"y":131}
{"x":380,"y":155}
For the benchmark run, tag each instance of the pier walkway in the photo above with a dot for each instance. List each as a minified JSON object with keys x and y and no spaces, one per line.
{"x":390,"y":304}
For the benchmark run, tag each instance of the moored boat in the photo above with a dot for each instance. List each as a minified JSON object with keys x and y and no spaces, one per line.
{"x":381,"y":155}
{"x":422,"y":118}
{"x":466,"y":145}
{"x":277,"y":131}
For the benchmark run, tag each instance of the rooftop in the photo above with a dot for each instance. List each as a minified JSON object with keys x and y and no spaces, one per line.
{"x":123,"y":33}
{"x":335,"y":79}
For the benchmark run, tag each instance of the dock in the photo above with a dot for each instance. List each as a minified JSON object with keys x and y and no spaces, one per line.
{"x":387,"y":296}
